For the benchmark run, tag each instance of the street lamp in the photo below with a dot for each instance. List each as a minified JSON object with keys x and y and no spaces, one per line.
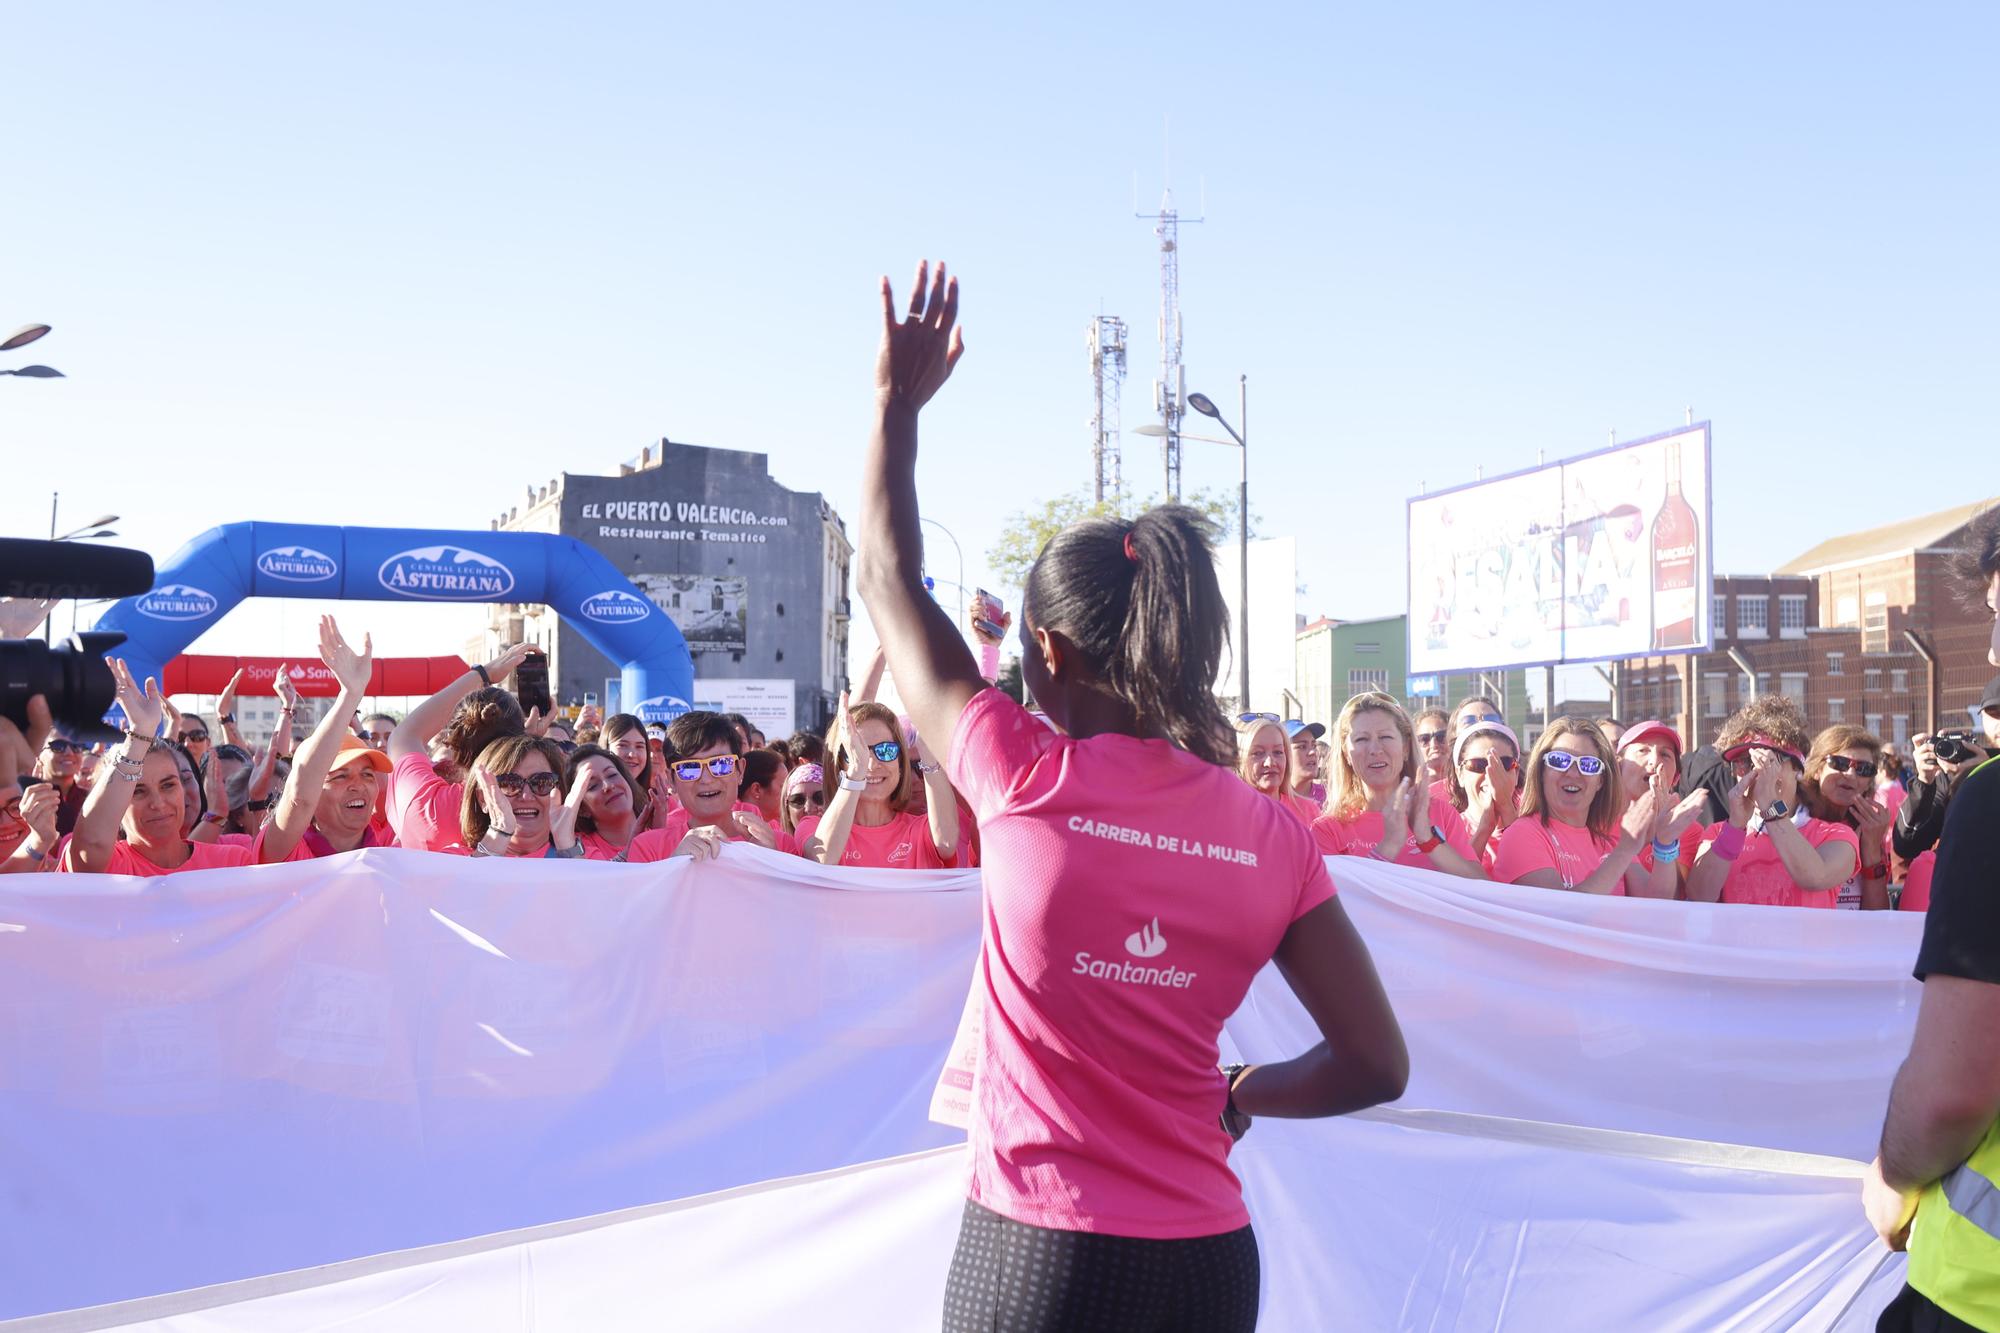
{"x":961,"y":558}
{"x":21,"y":337}
{"x":1201,"y":403}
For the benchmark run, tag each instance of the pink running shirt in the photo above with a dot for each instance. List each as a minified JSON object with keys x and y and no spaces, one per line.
{"x":1132,"y":892}
{"x":1306,"y":810}
{"x":423,"y":807}
{"x":1572,"y":852}
{"x":1361,"y":835}
{"x":126,"y":859}
{"x":904,"y":843}
{"x":658,"y":844}
{"x":1759,"y":875}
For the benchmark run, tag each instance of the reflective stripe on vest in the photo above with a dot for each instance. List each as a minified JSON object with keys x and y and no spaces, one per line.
{"x":1974,"y":1198}
{"x":1955,"y":1240}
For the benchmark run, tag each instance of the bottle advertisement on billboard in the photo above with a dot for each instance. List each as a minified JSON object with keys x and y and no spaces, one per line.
{"x":1590,"y":559}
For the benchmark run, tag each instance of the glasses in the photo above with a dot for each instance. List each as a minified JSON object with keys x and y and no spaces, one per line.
{"x":1861,"y":768}
{"x":57,"y":745}
{"x":1506,"y":761}
{"x":815,"y":800}
{"x":192,"y":737}
{"x":886,"y":752}
{"x":1430,"y":738}
{"x":1258,"y":717}
{"x":1587,"y":764}
{"x":513,"y":784}
{"x":721,"y":765}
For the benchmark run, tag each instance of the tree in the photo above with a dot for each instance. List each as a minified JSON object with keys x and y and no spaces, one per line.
{"x":1028,"y":532}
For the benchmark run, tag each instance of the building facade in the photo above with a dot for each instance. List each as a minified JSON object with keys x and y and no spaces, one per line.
{"x":754,"y":574}
{"x":1865,"y":629}
{"x":1337,"y":659}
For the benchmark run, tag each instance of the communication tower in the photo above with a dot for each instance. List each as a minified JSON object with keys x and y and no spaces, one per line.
{"x":1107,"y":377}
{"x":1170,"y":390}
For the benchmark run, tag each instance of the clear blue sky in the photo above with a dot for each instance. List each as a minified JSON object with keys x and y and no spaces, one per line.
{"x":392,"y":263}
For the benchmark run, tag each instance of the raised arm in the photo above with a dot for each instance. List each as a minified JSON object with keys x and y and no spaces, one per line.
{"x":1814,"y":869}
{"x":941,"y":802}
{"x":1634,"y":827}
{"x":315,"y":758}
{"x":934,"y":671}
{"x":283,"y":737}
{"x":413,"y":734}
{"x":834,"y":826}
{"x":871,"y":678}
{"x":96,"y":832}
{"x":1711,"y":871}
{"x":225,"y":711}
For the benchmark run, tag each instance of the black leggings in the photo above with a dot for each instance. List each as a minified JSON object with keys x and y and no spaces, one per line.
{"x":1009,"y":1277}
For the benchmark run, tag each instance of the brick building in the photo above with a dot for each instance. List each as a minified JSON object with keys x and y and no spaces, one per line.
{"x":1865,"y":628}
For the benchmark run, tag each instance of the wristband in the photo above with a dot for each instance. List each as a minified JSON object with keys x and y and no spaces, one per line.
{"x":1432,"y":843}
{"x":211,"y":817}
{"x":228,"y":719}
{"x":287,"y":758}
{"x":848,"y":783}
{"x":34,"y":855}
{"x":481,"y":669}
{"x":1728,"y":844}
{"x":925,"y":766}
{"x":1668,"y":851}
{"x":264,"y":804}
{"x":1880,"y":870}
{"x":989,"y":661}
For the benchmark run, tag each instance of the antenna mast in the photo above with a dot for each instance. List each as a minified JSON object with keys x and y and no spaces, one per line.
{"x":1107,"y":375}
{"x":1170,"y":390}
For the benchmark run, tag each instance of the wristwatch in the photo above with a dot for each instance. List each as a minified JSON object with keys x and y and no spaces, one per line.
{"x":1880,"y":870}
{"x":1779,"y":810}
{"x":1431,"y":843}
{"x":849,"y":782}
{"x":1234,"y":1123}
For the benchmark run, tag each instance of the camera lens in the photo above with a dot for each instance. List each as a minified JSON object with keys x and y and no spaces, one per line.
{"x":72,"y":677}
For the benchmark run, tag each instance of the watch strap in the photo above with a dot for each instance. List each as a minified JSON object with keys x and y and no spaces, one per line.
{"x":1432,"y":843}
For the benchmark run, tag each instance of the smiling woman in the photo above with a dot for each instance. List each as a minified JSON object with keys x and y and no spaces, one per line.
{"x":1380,"y":803}
{"x":1570,"y":834}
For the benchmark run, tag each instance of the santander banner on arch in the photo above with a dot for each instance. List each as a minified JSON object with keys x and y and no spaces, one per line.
{"x":206,"y":578}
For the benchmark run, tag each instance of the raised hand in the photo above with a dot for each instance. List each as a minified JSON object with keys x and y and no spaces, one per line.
{"x":503,"y":666}
{"x":537,"y":725}
{"x":1740,"y":803}
{"x":499,"y":813}
{"x":1872,"y":820}
{"x":1924,"y":755}
{"x":1764,"y":783}
{"x":836,"y":739}
{"x":921,"y":346}
{"x":172,"y":716}
{"x":1638,"y":820}
{"x":225,"y":703}
{"x":1396,"y":821}
{"x":350,"y":668}
{"x":1675,"y":820}
{"x":38,"y":812}
{"x":562,"y":815}
{"x":143,"y":708}
{"x":22,"y":616}
{"x":288,"y":693}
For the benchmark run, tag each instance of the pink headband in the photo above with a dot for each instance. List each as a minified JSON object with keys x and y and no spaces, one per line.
{"x":805,"y":775}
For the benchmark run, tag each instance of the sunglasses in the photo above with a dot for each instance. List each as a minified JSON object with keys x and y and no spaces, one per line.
{"x":513,"y":784}
{"x":190,"y":737}
{"x":721,"y":765}
{"x":886,"y":752}
{"x":1477,"y":718}
{"x":1430,"y":738}
{"x":1861,"y":768}
{"x":57,"y":745}
{"x":1258,"y":717}
{"x":1561,"y":760}
{"x":1506,"y":761}
{"x":807,"y":799}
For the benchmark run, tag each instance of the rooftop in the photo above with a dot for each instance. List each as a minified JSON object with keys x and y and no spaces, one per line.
{"x":1912,"y":534}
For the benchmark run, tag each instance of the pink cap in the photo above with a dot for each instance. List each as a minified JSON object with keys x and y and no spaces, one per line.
{"x":1641,"y":731}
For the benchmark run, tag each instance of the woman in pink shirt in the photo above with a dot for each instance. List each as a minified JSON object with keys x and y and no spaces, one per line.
{"x":515,"y":804}
{"x":426,"y":794}
{"x":1649,"y":759}
{"x":805,"y":798}
{"x":1432,"y":728}
{"x":141,"y":795}
{"x":1839,"y":787}
{"x":1134,"y":886}
{"x":1770,"y":851}
{"x":1378,"y":803}
{"x":1264,"y":760}
{"x":708,"y":810}
{"x":1486,"y":788}
{"x":870,"y":820}
{"x":328,"y":804}
{"x":607,"y":816}
{"x":1570,"y":834}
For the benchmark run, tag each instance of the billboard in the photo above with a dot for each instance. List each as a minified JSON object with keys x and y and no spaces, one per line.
{"x":711,"y":610}
{"x":1585,"y":560}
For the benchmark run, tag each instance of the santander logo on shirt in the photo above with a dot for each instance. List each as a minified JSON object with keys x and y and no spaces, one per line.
{"x":1145,"y":942}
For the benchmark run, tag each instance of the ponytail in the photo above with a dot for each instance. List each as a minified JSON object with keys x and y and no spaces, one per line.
{"x":483,"y":716}
{"x":1141,"y":602}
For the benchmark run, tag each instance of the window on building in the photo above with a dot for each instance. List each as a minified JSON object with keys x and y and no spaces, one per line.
{"x":1899,"y":730}
{"x":1792,"y":615}
{"x":1899,"y":682}
{"x":1367,"y":648}
{"x":1360,"y":680}
{"x":1715,"y":694}
{"x":1721,"y":616}
{"x":1875,"y":630}
{"x":1836,"y":664}
{"x":1871,"y":679}
{"x":1836,"y":710}
{"x":1753,"y":617}
{"x":1847,"y":611}
{"x":1873,"y":723}
{"x":1792,"y":684}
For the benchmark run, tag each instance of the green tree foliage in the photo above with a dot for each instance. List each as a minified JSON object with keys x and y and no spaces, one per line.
{"x":1028,"y":532}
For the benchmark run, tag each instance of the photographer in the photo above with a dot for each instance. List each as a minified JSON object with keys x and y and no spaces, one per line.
{"x":1943,"y":761}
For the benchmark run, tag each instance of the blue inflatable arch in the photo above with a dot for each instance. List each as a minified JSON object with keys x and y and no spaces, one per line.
{"x":206,"y":578}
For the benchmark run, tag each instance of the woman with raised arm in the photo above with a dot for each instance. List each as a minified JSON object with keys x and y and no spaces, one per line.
{"x":870,"y":822}
{"x":1486,"y":786}
{"x":607,"y":815}
{"x":1380,"y":804}
{"x":1570,"y":834}
{"x":1839,"y":787}
{"x":328,"y":802}
{"x":143,"y":796}
{"x":515,"y":804}
{"x":1771,"y":850}
{"x":465,"y":717}
{"x":1649,"y":758}
{"x":1134,"y":886}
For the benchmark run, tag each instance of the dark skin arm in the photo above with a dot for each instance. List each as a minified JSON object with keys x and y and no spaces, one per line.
{"x":1362,"y":1061}
{"x":934,"y":671}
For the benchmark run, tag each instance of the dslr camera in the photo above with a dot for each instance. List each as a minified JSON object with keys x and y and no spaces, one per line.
{"x":1955,"y":747}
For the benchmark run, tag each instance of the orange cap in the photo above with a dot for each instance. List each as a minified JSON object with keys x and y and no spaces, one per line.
{"x":352,"y":745}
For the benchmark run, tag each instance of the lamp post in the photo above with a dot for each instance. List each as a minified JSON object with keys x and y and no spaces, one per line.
{"x":21,"y":337}
{"x":1201,"y":403}
{"x":83,"y":533}
{"x":961,"y":559}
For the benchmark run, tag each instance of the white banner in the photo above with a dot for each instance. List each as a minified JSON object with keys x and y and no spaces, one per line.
{"x":223,"y":1077}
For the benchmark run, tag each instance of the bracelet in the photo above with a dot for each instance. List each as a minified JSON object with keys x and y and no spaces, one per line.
{"x":923,"y":767}
{"x":228,"y":719}
{"x":264,"y":804}
{"x":1728,"y":844}
{"x":852,"y":783}
{"x":480,"y":667}
{"x":1880,"y":870}
{"x":124,"y":776}
{"x":1667,"y":851}
{"x":34,"y":855}
{"x":287,"y":758}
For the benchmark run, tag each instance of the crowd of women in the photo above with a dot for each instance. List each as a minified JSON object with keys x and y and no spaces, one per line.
{"x":1800,"y":820}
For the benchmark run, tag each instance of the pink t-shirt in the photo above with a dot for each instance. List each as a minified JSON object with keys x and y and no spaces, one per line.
{"x":1759,"y":875}
{"x":312,"y":846}
{"x":1916,"y":896}
{"x":423,"y":807}
{"x":1132,"y":893}
{"x":1361,"y":835}
{"x":1307,"y":810}
{"x":1529,"y":844}
{"x":596,"y":848}
{"x":904,"y":843}
{"x":659,"y":844}
{"x":126,"y":860}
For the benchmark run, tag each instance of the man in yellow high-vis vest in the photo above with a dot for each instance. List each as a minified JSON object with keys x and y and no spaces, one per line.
{"x":1935,"y":1187}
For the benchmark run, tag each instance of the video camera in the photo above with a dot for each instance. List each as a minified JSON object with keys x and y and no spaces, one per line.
{"x":71,"y":677}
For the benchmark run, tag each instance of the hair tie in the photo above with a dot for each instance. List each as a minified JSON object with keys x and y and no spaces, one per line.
{"x":1130,"y":554}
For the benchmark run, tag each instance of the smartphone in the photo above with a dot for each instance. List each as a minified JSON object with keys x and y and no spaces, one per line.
{"x":990,"y":622}
{"x":590,"y":698}
{"x":531,"y":685}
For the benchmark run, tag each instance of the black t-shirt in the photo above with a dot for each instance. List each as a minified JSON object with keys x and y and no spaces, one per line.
{"x":1962,"y":928}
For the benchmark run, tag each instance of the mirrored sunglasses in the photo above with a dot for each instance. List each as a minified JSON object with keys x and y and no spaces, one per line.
{"x":1561,"y":760}
{"x":540,"y":784}
{"x":721,"y":765}
{"x":886,"y":752}
{"x":1861,"y":768}
{"x":1258,"y":717}
{"x":1507,"y":762}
